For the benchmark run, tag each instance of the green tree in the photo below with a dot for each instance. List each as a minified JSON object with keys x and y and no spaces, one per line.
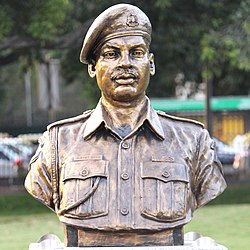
{"x":198,"y":38}
{"x":28,"y":26}
{"x":225,"y":51}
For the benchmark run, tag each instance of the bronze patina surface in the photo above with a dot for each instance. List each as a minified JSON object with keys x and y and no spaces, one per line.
{"x":124,"y":174}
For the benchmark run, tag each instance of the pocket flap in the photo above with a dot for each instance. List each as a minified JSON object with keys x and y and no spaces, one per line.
{"x":164,"y":171}
{"x":85,"y":169}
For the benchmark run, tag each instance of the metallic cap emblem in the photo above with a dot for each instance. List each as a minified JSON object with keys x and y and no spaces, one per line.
{"x":132,"y":21}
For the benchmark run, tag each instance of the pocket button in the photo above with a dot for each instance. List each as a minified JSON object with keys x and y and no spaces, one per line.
{"x":84,"y":172}
{"x":165,"y":174}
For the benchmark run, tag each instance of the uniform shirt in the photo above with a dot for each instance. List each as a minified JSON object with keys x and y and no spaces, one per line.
{"x":153,"y":178}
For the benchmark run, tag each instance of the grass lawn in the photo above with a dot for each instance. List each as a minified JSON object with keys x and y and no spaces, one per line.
{"x":23,"y":220}
{"x":229,"y":225}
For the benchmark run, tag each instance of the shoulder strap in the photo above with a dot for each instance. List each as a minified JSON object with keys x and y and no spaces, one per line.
{"x":85,"y":115}
{"x":53,"y":132}
{"x":182,"y":119}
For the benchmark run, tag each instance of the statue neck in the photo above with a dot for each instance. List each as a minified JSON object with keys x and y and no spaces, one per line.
{"x":124,"y":118}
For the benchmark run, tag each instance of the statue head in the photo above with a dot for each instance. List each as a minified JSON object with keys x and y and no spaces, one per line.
{"x":117,"y":21}
{"x":116,"y":49}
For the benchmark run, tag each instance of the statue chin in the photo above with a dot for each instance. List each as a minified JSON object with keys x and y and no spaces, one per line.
{"x":125,"y":94}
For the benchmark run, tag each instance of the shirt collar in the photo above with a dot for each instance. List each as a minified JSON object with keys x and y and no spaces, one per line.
{"x":97,"y":117}
{"x":94,"y":121}
{"x":154,"y":120}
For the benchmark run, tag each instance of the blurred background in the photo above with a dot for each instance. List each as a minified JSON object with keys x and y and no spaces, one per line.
{"x":202,"y":56}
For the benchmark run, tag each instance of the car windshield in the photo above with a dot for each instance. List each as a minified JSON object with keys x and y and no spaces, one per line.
{"x":3,"y":156}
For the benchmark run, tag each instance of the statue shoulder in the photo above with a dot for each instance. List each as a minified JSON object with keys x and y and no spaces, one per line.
{"x":74,"y":119}
{"x":181,"y":119}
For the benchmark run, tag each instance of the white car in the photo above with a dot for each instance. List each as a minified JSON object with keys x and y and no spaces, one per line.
{"x":8,"y":169}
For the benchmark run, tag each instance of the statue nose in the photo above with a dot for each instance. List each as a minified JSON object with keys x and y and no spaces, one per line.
{"x":125,"y":60}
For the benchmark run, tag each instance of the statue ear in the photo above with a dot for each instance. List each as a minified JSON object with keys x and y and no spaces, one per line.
{"x":91,"y":70}
{"x":152,"y":64}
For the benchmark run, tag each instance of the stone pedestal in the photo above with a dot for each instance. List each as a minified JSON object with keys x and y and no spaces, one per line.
{"x":192,"y":241}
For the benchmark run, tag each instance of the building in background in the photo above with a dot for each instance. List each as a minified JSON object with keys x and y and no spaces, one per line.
{"x":231,"y":115}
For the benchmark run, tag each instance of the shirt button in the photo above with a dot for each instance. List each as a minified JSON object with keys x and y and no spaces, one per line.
{"x":124,"y":211}
{"x":125,"y":176}
{"x":125,"y":145}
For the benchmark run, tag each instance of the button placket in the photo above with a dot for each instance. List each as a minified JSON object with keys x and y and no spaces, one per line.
{"x":126,"y":195}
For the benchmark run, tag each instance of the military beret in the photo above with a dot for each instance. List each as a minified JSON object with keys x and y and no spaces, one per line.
{"x":117,"y":21}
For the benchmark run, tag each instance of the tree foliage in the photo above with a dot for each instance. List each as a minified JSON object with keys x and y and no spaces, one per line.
{"x":225,"y":50}
{"x":199,"y":38}
{"x":41,"y":20}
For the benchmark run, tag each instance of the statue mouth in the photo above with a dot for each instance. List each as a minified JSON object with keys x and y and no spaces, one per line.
{"x":125,"y":76}
{"x":125,"y":79}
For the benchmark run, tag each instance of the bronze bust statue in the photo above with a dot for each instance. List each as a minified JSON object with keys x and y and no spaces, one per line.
{"x":124,"y":174}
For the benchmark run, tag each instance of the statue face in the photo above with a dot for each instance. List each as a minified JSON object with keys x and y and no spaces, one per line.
{"x":123,"y":69}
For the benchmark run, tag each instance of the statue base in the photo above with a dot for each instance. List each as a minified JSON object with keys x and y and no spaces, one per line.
{"x":192,"y":241}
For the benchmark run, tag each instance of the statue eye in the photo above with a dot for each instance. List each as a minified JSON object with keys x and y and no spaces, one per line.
{"x":110,"y":54}
{"x":137,"y":53}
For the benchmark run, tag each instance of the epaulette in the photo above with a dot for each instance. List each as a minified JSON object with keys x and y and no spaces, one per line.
{"x":71,"y":120}
{"x":180,"y":118}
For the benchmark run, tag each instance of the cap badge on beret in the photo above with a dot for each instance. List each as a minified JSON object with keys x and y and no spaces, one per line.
{"x":132,"y":21}
{"x":119,"y":20}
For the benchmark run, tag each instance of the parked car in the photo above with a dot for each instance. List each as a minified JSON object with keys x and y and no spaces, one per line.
{"x":16,"y":151}
{"x":18,"y":143}
{"x":242,"y":161}
{"x":15,"y":156}
{"x":8,"y":168}
{"x":226,"y":155}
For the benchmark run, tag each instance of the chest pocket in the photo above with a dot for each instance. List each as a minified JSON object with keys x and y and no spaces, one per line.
{"x":85,"y":189}
{"x":164,"y":190}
